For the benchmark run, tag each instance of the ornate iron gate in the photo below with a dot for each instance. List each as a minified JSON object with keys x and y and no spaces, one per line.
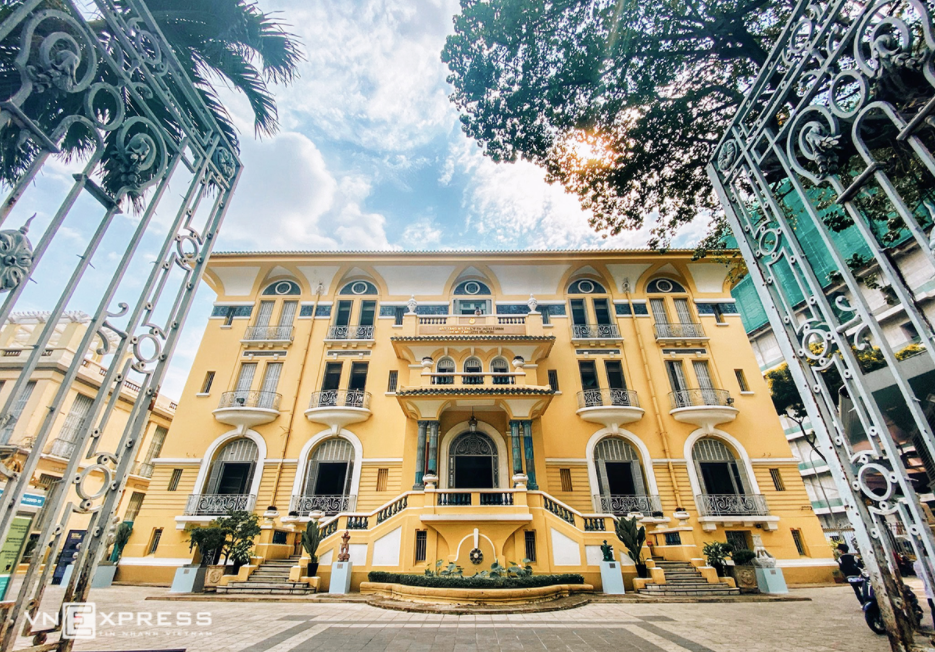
{"x":112,"y":80}
{"x":836,"y":135}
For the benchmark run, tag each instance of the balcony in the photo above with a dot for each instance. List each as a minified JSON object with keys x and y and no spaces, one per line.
{"x":623,"y":504}
{"x":505,"y":509}
{"x":475,"y":379}
{"x":594,"y":333}
{"x":338,"y":408}
{"x":460,"y":325}
{"x":705,"y":408}
{"x":679,"y":333}
{"x":349,"y":333}
{"x":272,"y":335}
{"x":218,"y":504}
{"x":731,"y":509}
{"x":611,"y":408}
{"x":246,"y":409}
{"x":329,"y":505}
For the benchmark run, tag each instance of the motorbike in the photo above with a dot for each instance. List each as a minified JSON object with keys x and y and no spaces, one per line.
{"x":871,"y":607}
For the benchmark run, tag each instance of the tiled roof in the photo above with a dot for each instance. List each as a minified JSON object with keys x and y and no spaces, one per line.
{"x":486,"y":391}
{"x":497,"y":338}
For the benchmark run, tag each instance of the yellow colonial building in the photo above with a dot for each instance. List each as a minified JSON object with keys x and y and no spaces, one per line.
{"x":17,"y":339}
{"x":472,"y":407}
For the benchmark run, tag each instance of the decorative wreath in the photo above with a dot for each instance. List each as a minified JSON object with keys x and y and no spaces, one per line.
{"x":476,"y":556}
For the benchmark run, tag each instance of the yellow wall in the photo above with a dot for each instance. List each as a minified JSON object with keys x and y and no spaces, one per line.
{"x":388,"y":438}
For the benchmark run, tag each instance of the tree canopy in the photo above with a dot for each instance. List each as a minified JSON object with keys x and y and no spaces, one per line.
{"x":619,"y":101}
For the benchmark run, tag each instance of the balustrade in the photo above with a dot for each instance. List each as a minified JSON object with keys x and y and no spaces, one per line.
{"x":622,"y":504}
{"x":219,"y":504}
{"x":732,"y":505}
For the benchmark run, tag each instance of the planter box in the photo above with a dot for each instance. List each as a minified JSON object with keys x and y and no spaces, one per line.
{"x":214,"y":574}
{"x":104,"y":576}
{"x":189,"y":579}
{"x":745,"y":578}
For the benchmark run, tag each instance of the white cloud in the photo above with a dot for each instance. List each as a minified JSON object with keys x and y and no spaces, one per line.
{"x":373,"y":75}
{"x":288,"y":199}
{"x":424,"y":233}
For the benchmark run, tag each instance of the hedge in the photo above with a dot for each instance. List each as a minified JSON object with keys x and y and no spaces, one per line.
{"x":441,"y":582}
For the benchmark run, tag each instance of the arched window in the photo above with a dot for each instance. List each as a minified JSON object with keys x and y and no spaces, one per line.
{"x":620,"y":480}
{"x":586,"y":286}
{"x":349,"y":310}
{"x":282,"y":288}
{"x":229,"y":480}
{"x":473,"y":366}
{"x":328,"y":479}
{"x":718,"y":470}
{"x":592,"y":318}
{"x":357,"y":288}
{"x":499,"y":367}
{"x":467,"y":298}
{"x":472,"y":462}
{"x":445,"y":366}
{"x":685,"y":324}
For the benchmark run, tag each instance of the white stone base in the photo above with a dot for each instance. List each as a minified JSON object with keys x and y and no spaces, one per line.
{"x":340,"y":577}
{"x":771,"y":580}
{"x":612,"y":578}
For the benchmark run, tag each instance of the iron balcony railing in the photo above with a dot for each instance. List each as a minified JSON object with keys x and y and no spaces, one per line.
{"x":594,"y":331}
{"x":700,"y":398}
{"x":219,"y":504}
{"x":304,"y":505}
{"x":354,"y":398}
{"x":350,"y":333}
{"x":608,"y":397}
{"x":623,"y":504}
{"x":678,"y":331}
{"x":268,"y":334}
{"x":250,"y":399}
{"x":731,"y":505}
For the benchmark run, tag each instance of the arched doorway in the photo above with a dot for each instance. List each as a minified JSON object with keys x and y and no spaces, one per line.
{"x":620,"y":480}
{"x":473,"y":462}
{"x":232,"y":469}
{"x":328,"y":478}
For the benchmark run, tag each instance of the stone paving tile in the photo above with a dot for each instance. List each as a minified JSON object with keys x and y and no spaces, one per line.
{"x":830,"y":622}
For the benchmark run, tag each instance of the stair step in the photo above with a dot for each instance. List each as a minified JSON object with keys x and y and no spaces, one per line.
{"x":266,"y":585}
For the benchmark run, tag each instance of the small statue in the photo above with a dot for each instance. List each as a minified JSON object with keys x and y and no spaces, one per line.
{"x":344,"y":554}
{"x":608,"y":551}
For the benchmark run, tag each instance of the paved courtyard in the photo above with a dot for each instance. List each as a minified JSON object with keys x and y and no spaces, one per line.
{"x":831,"y":620}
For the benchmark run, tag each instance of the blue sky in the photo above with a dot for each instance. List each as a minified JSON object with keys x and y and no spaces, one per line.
{"x":371,"y":156}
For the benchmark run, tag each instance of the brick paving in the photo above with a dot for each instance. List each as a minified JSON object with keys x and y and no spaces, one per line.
{"x":831,"y":620}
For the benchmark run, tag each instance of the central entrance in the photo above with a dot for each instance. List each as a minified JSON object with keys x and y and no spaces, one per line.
{"x":472,"y":462}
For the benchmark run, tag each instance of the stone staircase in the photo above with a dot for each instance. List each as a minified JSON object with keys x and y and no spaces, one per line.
{"x":684,"y":580}
{"x":271,"y":578}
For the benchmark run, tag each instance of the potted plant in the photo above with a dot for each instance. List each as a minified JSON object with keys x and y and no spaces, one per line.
{"x":311,"y":538}
{"x":240,"y":529}
{"x":191,"y":577}
{"x":633,"y":536}
{"x":742,"y":571}
{"x":716,"y":554}
{"x":107,"y":569}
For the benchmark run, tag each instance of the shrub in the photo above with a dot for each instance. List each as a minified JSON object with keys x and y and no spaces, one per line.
{"x":743,"y":556}
{"x":474,"y":581}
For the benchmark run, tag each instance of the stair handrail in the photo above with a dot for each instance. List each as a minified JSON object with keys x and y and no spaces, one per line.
{"x":327,"y":521}
{"x":571,"y":509}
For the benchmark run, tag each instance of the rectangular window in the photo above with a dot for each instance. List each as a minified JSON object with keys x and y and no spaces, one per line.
{"x":579,"y":316}
{"x":133,"y":506}
{"x":660,"y":316}
{"x":368,"y":310}
{"x":287,"y":316}
{"x":739,"y":539}
{"x":343,"y":316}
{"x":206,"y":385}
{"x":601,"y":311}
{"x":229,"y":317}
{"x":799,"y":542}
{"x":154,"y":542}
{"x":46,"y":480}
{"x":332,"y":378}
{"x":155,"y":447}
{"x":358,"y":379}
{"x":565,"y":475}
{"x":174,"y":480}
{"x":741,"y":380}
{"x":531,"y":545}
{"x":245,"y":379}
{"x":615,"y":379}
{"x":392,"y":381}
{"x":398,"y":314}
{"x":673,"y":539}
{"x":65,"y":445}
{"x":553,"y":379}
{"x":382,"y":475}
{"x":777,"y":480}
{"x":588,"y":374}
{"x":718,"y":313}
{"x":421,"y":545}
{"x":264,"y":314}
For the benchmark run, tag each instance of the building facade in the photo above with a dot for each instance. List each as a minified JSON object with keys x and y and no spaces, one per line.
{"x":472,"y":407}
{"x":17,"y":337}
